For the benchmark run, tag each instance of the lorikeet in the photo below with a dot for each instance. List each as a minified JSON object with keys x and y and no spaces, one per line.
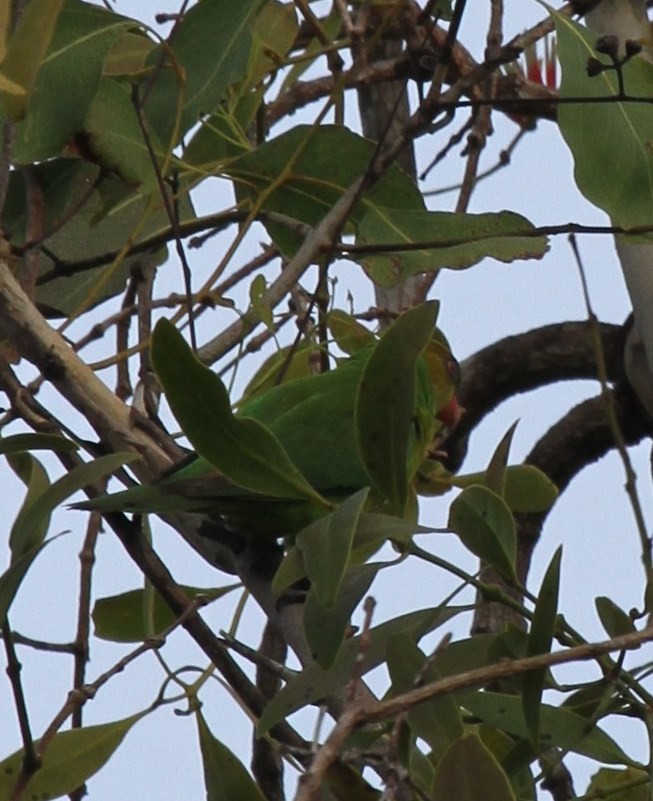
{"x":370,"y":422}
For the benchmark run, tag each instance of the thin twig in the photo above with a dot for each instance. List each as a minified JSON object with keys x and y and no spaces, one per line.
{"x":31,"y":759}
{"x":384,"y":710}
{"x":631,"y":476}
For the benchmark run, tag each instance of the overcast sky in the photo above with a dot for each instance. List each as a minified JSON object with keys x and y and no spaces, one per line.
{"x":159,"y":758}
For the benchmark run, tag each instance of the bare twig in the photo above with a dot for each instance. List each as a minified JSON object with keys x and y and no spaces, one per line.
{"x":384,"y":710}
{"x":31,"y":760}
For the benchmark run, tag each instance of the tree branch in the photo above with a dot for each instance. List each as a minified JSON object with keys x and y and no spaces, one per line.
{"x":523,"y":362}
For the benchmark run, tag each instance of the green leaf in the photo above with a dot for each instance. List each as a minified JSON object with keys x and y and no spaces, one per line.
{"x":114,"y":137}
{"x":262,"y":310}
{"x":244,"y":450}
{"x":210,"y":51}
{"x":455,"y":241}
{"x":486,"y":527}
{"x":109,"y":215}
{"x":6,"y":12}
{"x":470,"y":772}
{"x":590,"y":698}
{"x":610,"y":142}
{"x":539,"y":642}
{"x":223,"y":135}
{"x":67,"y":81}
{"x":70,"y":759}
{"x":303,"y":172}
{"x":374,"y":529}
{"x":128,"y":54}
{"x":32,"y":473}
{"x":10,"y":91}
{"x":503,"y":747}
{"x":527,"y":488}
{"x":559,"y":727}
{"x":36,"y":442}
{"x":467,"y":654}
{"x":11,"y":579}
{"x":289,"y":571}
{"x":614,"y":620}
{"x":349,"y":334}
{"x":436,"y":721}
{"x":274,"y":32}
{"x":325,"y":546}
{"x":325,"y":628}
{"x":386,"y":402}
{"x":631,"y":784}
{"x":121,"y":618}
{"x":495,"y":475}
{"x":26,"y":50}
{"x":314,"y":682}
{"x":34,"y":516}
{"x":225,"y":777}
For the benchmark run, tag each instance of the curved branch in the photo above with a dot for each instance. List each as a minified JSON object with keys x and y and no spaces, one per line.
{"x":523,"y":362}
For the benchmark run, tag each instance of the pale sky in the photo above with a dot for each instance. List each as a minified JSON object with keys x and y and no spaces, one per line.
{"x":160,"y":758}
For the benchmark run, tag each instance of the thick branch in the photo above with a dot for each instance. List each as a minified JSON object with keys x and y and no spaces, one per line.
{"x":520,"y":363}
{"x":116,"y":426}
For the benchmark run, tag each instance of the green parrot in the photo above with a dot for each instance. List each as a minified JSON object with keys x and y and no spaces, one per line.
{"x":292,"y":453}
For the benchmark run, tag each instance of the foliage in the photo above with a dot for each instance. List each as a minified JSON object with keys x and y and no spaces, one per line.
{"x":302,"y":487}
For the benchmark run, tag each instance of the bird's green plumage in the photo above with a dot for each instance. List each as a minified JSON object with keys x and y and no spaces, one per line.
{"x":314,"y":418}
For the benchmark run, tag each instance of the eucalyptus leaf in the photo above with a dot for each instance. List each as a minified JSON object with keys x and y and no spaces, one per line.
{"x":613,"y":619}
{"x":34,"y":516}
{"x":314,"y":682}
{"x":70,"y":759}
{"x":436,"y":721}
{"x":527,"y":488}
{"x":210,"y":51}
{"x":110,"y":213}
{"x":349,"y":334}
{"x":610,"y":142}
{"x":303,"y":172}
{"x":67,"y":80}
{"x":470,"y":772}
{"x":559,"y":727}
{"x":121,"y":618}
{"x":325,"y":546}
{"x":26,"y":50}
{"x":326,"y":628}
{"x":113,"y":135}
{"x":629,"y":784}
{"x":451,"y":241}
{"x":273,"y":34}
{"x":486,"y":527}
{"x":11,"y":579}
{"x":32,"y":473}
{"x":36,"y":442}
{"x":495,"y":474}
{"x":242,"y":449}
{"x":225,"y":777}
{"x":386,"y":402}
{"x":539,"y":642}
